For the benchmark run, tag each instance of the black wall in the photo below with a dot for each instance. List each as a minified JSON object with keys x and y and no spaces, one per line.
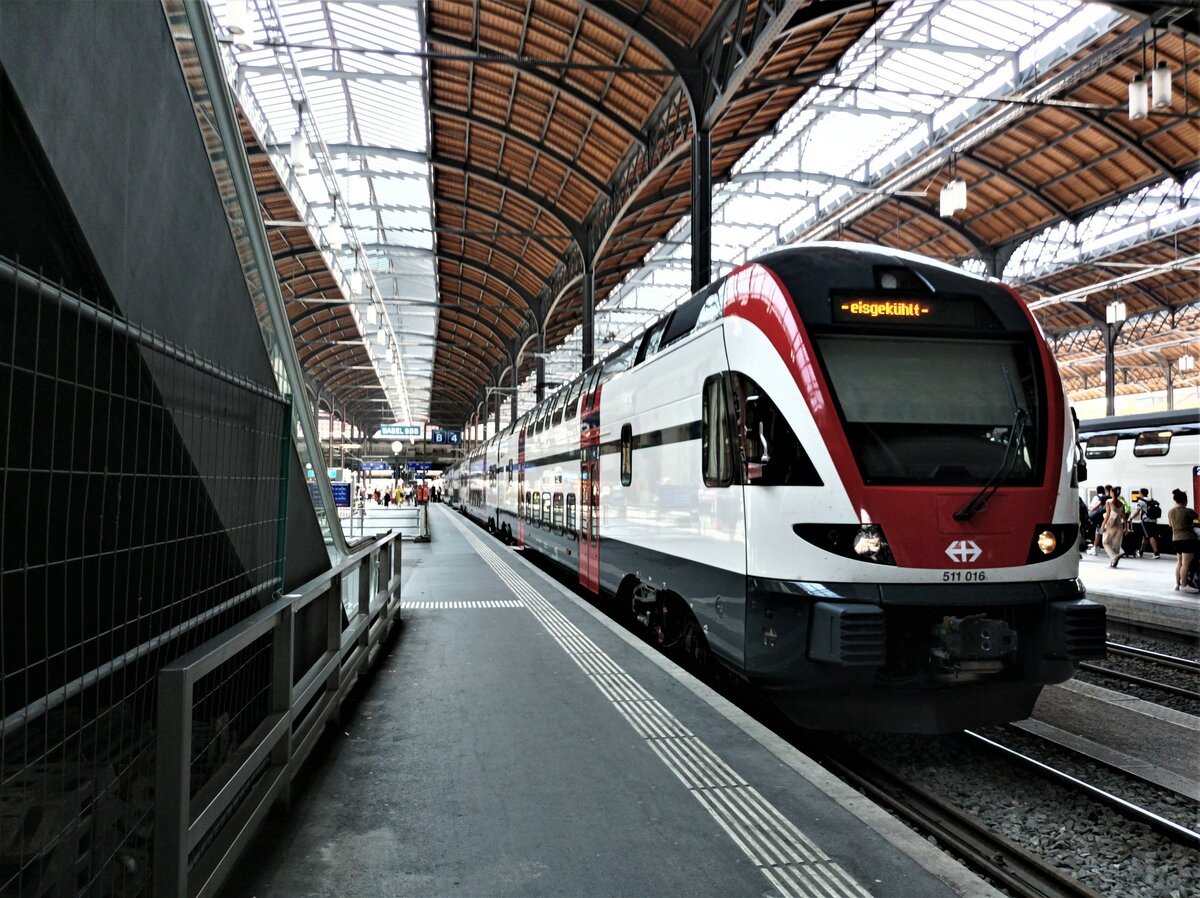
{"x":108,"y":110}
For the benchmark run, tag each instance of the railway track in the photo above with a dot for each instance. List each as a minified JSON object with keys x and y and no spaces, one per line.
{"x":1019,"y":871}
{"x":1167,"y":663}
{"x":1169,"y":828}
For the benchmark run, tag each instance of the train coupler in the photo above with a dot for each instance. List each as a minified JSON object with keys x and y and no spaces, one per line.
{"x":973,"y":643}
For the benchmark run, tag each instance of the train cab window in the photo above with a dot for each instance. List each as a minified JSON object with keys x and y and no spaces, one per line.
{"x":1103,"y":446}
{"x":771,"y":452}
{"x":626,"y":454}
{"x":545,"y":510}
{"x":716,"y":450}
{"x":1151,"y":443}
{"x":571,"y":513}
{"x":558,"y":511}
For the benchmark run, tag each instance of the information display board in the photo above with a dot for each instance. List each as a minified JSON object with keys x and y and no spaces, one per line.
{"x":341,"y":494}
{"x":446,"y":437}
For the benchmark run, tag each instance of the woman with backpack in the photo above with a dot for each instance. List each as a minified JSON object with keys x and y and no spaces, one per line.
{"x":1147,"y":513}
{"x":1183,"y":521}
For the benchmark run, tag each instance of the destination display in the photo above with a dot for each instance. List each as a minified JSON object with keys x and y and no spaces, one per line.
{"x":942,"y":311}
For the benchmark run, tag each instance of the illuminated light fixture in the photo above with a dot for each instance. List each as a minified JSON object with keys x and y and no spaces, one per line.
{"x":1137,"y":98}
{"x":953,"y":197}
{"x":1160,"y":85}
{"x":299,"y":150}
{"x":1115,"y":313}
{"x":1046,"y":542}
{"x":1186,"y":363}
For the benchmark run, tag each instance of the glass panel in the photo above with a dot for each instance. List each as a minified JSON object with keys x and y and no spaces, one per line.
{"x":905,"y":426}
{"x":1102,"y":446}
{"x":1149,"y":444}
{"x":715,"y":448}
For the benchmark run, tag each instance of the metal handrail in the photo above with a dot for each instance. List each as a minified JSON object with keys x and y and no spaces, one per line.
{"x":199,"y":838}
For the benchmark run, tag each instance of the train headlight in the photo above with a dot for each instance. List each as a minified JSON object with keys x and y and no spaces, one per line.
{"x":1051,"y":541}
{"x":1047,"y":542}
{"x":868,"y":540}
{"x":861,"y":542}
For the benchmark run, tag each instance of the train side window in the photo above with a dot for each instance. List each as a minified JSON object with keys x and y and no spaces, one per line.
{"x":571,"y":513}
{"x":558,"y":511}
{"x":573,"y":401}
{"x":713,"y":309}
{"x":528,"y":507}
{"x":716,"y":450}
{"x":1152,"y":443}
{"x":1104,"y":446}
{"x":545,"y":510}
{"x":650,"y":343}
{"x":626,"y":454}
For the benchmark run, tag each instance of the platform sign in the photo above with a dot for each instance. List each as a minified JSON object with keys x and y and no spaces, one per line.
{"x":376,"y":466}
{"x":400,"y":430}
{"x":446,"y":437}
{"x":341,"y":494}
{"x":419,"y":465}
{"x":333,"y":473}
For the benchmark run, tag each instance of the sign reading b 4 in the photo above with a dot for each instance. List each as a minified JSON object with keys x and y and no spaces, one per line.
{"x":446,"y":437}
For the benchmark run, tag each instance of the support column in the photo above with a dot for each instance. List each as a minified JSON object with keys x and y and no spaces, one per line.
{"x":541,"y":363}
{"x":512,"y":401}
{"x":1169,"y":370}
{"x":701,"y":208}
{"x":589,"y":314}
{"x":1111,"y":331}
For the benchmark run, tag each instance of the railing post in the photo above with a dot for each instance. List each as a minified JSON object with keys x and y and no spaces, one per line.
{"x":333,"y":630}
{"x":283,"y":643}
{"x":173,"y":784}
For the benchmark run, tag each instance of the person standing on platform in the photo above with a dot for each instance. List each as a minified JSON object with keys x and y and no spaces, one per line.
{"x":1114,"y":526}
{"x":1183,"y":521}
{"x":1096,"y":516}
{"x":1146,"y":515}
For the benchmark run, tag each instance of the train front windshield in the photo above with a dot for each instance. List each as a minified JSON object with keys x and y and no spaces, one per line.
{"x":936,"y":411}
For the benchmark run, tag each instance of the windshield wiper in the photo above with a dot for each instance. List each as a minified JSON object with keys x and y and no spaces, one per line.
{"x":979,"y":501}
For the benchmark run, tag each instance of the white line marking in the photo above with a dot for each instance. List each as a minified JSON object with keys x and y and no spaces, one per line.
{"x":789,"y":859}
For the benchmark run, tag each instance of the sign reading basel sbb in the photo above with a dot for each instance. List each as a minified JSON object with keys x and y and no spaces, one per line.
{"x":400,"y":430}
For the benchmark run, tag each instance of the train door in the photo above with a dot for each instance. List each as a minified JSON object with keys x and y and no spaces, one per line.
{"x":521,"y":487}
{"x":589,"y":486}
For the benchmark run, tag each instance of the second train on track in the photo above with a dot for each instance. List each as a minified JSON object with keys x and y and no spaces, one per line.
{"x":845,"y":473}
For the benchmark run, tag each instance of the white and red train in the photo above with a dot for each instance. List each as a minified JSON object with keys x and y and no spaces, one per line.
{"x":846,"y":473}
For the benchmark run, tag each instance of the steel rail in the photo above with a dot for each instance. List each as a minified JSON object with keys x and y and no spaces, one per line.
{"x":1158,"y":658}
{"x":1020,"y":872}
{"x":1169,"y":828}
{"x":1140,"y":681}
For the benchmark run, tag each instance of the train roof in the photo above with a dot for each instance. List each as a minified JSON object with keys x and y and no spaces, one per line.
{"x":1180,"y":421}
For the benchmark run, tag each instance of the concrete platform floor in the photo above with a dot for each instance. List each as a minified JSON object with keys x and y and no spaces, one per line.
{"x":516,"y":742}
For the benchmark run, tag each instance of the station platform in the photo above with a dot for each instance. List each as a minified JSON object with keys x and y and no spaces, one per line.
{"x":517,"y":742}
{"x":1141,"y":591}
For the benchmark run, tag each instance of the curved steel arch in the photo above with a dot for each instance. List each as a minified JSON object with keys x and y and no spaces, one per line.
{"x":629,"y":129}
{"x":494,"y":331}
{"x":475,"y":265}
{"x":545,"y":203}
{"x":462,"y":284}
{"x":571,"y":165}
{"x":491,"y":213}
